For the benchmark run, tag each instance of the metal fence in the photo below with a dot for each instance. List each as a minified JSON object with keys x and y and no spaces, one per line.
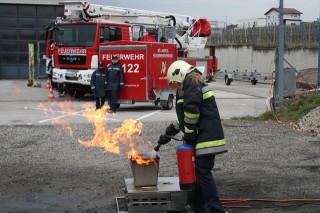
{"x":250,"y":50}
{"x":304,"y":35}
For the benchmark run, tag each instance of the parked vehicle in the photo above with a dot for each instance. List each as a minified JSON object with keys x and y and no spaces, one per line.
{"x":146,"y":43}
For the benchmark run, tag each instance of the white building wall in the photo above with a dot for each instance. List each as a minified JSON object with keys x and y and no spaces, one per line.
{"x":254,"y":22}
{"x":291,"y":22}
{"x":217,"y":24}
{"x":291,"y":16}
{"x":273,"y":18}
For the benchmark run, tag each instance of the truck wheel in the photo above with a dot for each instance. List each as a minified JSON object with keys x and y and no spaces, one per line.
{"x":76,"y":93}
{"x":79,"y":94}
{"x":227,"y":81}
{"x":169,"y":103}
{"x":118,"y":106}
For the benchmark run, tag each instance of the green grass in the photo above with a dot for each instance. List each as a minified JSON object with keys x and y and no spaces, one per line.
{"x":290,"y":110}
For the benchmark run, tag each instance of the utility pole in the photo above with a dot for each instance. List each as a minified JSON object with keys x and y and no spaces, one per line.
{"x":318,"y":53}
{"x":279,"y":84}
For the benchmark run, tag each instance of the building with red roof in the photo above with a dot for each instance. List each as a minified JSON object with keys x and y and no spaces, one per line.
{"x":291,"y":16}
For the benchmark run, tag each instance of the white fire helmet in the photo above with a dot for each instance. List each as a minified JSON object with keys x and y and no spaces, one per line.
{"x":178,"y":71}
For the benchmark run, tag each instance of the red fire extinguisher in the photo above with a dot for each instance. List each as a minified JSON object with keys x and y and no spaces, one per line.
{"x":185,"y":157}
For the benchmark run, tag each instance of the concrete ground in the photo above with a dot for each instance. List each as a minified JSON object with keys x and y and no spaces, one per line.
{"x":44,"y":168}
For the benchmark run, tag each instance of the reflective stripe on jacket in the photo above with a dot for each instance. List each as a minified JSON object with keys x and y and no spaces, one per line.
{"x":197,"y":112}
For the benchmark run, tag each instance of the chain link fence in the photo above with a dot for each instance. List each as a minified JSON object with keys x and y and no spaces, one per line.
{"x":254,"y":50}
{"x":302,"y":36}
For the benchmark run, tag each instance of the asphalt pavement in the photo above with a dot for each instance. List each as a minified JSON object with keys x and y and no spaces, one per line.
{"x":27,"y":105}
{"x":43,"y":168}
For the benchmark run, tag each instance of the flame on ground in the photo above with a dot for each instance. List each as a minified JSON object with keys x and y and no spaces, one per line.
{"x":65,"y":109}
{"x":123,"y":140}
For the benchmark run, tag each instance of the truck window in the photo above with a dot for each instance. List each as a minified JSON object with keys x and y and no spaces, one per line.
{"x":110,"y":34}
{"x":75,"y":35}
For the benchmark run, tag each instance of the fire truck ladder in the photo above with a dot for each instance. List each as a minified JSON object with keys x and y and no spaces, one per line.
{"x":84,"y":11}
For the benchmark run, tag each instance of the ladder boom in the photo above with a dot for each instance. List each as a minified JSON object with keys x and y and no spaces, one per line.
{"x":183,"y":24}
{"x":76,"y":10}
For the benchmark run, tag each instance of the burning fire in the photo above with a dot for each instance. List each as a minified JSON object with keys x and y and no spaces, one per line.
{"x":123,"y":140}
{"x":65,"y":109}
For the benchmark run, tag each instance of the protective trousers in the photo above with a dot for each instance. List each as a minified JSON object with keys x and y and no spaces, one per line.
{"x":113,"y":95}
{"x":207,"y":192}
{"x":99,"y":102}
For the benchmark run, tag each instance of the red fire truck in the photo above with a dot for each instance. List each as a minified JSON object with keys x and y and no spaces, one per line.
{"x":146,"y":43}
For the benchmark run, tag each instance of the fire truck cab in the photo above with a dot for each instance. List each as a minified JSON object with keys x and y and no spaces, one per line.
{"x":146,"y":43}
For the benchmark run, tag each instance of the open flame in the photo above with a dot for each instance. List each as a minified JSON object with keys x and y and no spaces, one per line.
{"x":65,"y":109}
{"x":124,"y":140}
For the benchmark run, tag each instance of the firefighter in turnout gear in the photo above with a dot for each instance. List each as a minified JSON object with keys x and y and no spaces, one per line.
{"x":98,"y":84}
{"x":115,"y":82}
{"x":199,"y":120}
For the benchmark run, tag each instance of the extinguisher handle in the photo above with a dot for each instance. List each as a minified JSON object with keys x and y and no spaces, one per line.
{"x":174,"y":138}
{"x":157,"y":148}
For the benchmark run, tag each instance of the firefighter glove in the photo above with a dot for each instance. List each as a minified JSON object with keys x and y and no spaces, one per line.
{"x":164,"y":139}
{"x":190,"y":138}
{"x":171,"y":130}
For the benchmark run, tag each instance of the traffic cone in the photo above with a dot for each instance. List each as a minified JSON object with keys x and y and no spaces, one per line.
{"x":48,"y":83}
{"x":51,"y":95}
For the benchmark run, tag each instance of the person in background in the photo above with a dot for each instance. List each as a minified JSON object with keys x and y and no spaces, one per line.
{"x":98,"y":84}
{"x":199,"y":120}
{"x":61,"y":90}
{"x":115,"y":79}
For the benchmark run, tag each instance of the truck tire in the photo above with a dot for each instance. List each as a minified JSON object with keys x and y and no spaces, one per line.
{"x":118,"y":106}
{"x":75,"y":93}
{"x":169,"y":103}
{"x":79,"y":94}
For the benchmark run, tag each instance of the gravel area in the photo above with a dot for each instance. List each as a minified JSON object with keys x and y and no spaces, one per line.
{"x":311,"y":122}
{"x":43,"y":169}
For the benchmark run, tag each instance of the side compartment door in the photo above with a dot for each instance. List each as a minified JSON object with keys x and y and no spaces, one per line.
{"x":133,"y":59}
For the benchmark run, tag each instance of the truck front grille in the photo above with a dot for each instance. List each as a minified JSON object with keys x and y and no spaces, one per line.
{"x":72,"y":59}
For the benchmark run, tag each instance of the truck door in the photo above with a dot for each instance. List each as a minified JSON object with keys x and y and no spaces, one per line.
{"x":133,"y":59}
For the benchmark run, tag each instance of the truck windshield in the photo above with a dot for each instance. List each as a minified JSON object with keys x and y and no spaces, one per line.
{"x":75,"y":35}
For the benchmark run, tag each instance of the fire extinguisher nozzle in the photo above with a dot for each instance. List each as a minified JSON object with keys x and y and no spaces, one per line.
{"x":157,"y":148}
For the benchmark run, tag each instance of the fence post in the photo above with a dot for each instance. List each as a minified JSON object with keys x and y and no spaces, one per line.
{"x":279,"y":67}
{"x":318,"y":53}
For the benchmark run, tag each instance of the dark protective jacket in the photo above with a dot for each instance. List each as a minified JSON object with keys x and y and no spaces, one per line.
{"x":115,"y":76}
{"x":98,"y":83}
{"x":198,"y":113}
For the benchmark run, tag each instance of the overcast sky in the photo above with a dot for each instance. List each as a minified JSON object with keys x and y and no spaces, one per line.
{"x":229,"y":11}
